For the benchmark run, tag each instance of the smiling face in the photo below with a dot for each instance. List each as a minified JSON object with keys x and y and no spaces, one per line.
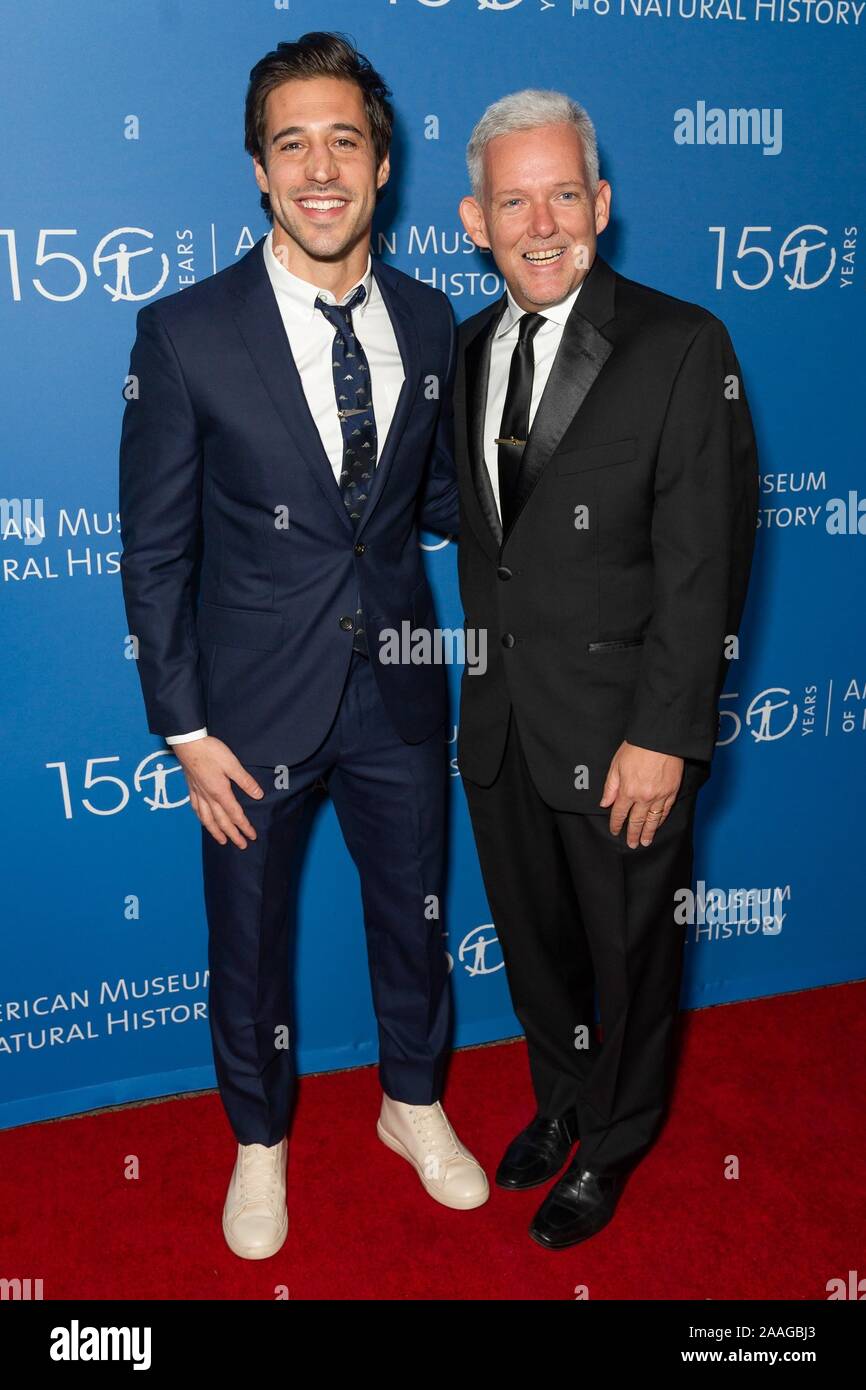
{"x":537,"y":215}
{"x":319,"y":170}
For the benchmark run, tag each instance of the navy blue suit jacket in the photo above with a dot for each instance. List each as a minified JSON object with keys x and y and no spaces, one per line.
{"x":238,"y":617}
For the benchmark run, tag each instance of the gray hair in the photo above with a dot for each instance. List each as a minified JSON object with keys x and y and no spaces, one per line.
{"x":527,"y":110}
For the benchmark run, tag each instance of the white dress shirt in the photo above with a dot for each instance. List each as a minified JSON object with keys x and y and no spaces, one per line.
{"x":545,"y":345}
{"x":310,"y":338}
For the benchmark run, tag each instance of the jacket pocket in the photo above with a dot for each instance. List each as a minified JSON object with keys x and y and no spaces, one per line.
{"x":620,"y":645}
{"x":596,"y":456}
{"x":253,"y":628}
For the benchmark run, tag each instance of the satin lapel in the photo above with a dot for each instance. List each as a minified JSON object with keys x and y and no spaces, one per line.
{"x":477,"y":370}
{"x":261,"y":326}
{"x":582,"y":353}
{"x":406,"y":333}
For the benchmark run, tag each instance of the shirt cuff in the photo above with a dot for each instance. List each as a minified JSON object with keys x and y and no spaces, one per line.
{"x":187,"y":738}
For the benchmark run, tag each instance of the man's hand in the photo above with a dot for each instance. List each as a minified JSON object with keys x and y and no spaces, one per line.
{"x":641,"y":785}
{"x":211,"y":767}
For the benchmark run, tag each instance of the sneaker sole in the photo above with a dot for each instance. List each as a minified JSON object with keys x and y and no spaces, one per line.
{"x":467,"y":1204}
{"x":264,"y":1253}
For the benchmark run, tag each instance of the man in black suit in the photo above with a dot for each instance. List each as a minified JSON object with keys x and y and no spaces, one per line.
{"x":608,"y":482}
{"x":283,"y":443}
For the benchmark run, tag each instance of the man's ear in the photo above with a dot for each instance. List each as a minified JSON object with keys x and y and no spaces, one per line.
{"x":602,"y":205}
{"x":472,"y":217}
{"x":261,"y":176}
{"x":383,"y":173}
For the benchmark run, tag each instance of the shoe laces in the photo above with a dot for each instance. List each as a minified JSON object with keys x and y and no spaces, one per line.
{"x":435,"y":1132}
{"x":259,"y":1174}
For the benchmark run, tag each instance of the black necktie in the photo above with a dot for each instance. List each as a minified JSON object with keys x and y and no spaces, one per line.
{"x":354,"y":393}
{"x":515,"y":416}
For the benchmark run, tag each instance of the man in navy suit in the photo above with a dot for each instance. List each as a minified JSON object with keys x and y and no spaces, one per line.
{"x":290,"y":431}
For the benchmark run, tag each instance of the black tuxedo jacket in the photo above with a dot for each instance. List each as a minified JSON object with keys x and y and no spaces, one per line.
{"x":243,"y":624}
{"x":608,"y":601}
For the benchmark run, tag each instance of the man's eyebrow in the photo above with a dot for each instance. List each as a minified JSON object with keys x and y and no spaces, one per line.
{"x":563,"y":183}
{"x":300,"y":129}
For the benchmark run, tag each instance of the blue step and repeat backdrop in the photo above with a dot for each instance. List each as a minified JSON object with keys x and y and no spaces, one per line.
{"x":731,"y":132}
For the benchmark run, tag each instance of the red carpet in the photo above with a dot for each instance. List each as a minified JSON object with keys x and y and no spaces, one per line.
{"x":777,"y":1082}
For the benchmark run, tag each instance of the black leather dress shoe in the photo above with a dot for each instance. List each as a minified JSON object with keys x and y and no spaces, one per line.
{"x":538,"y":1152}
{"x":577,"y":1207}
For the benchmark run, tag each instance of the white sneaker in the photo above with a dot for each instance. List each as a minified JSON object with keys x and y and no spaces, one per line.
{"x":255,"y":1219}
{"x":423,"y":1136}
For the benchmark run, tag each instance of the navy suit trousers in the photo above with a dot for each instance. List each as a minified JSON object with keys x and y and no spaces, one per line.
{"x":389,"y":797}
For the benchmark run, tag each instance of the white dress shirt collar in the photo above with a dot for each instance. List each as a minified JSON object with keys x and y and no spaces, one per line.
{"x":302,"y":294}
{"x":557,"y":312}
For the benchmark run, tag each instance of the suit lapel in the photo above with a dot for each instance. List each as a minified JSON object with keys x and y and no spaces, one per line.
{"x":477,"y":374}
{"x":406,"y":333}
{"x":258,"y":318}
{"x":582,"y":352}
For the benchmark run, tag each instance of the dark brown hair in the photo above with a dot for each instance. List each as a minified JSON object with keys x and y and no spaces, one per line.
{"x":317,"y":54}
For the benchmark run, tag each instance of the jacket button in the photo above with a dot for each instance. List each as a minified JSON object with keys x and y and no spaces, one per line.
{"x":508,"y":640}
{"x":503,"y":572}
{"x":360,"y":548}
{"x":347,"y":624}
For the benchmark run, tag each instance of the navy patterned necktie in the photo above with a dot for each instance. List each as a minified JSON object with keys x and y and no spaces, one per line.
{"x":353,"y":390}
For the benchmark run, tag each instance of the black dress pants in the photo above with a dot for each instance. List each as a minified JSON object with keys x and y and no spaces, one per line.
{"x":578,"y":912}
